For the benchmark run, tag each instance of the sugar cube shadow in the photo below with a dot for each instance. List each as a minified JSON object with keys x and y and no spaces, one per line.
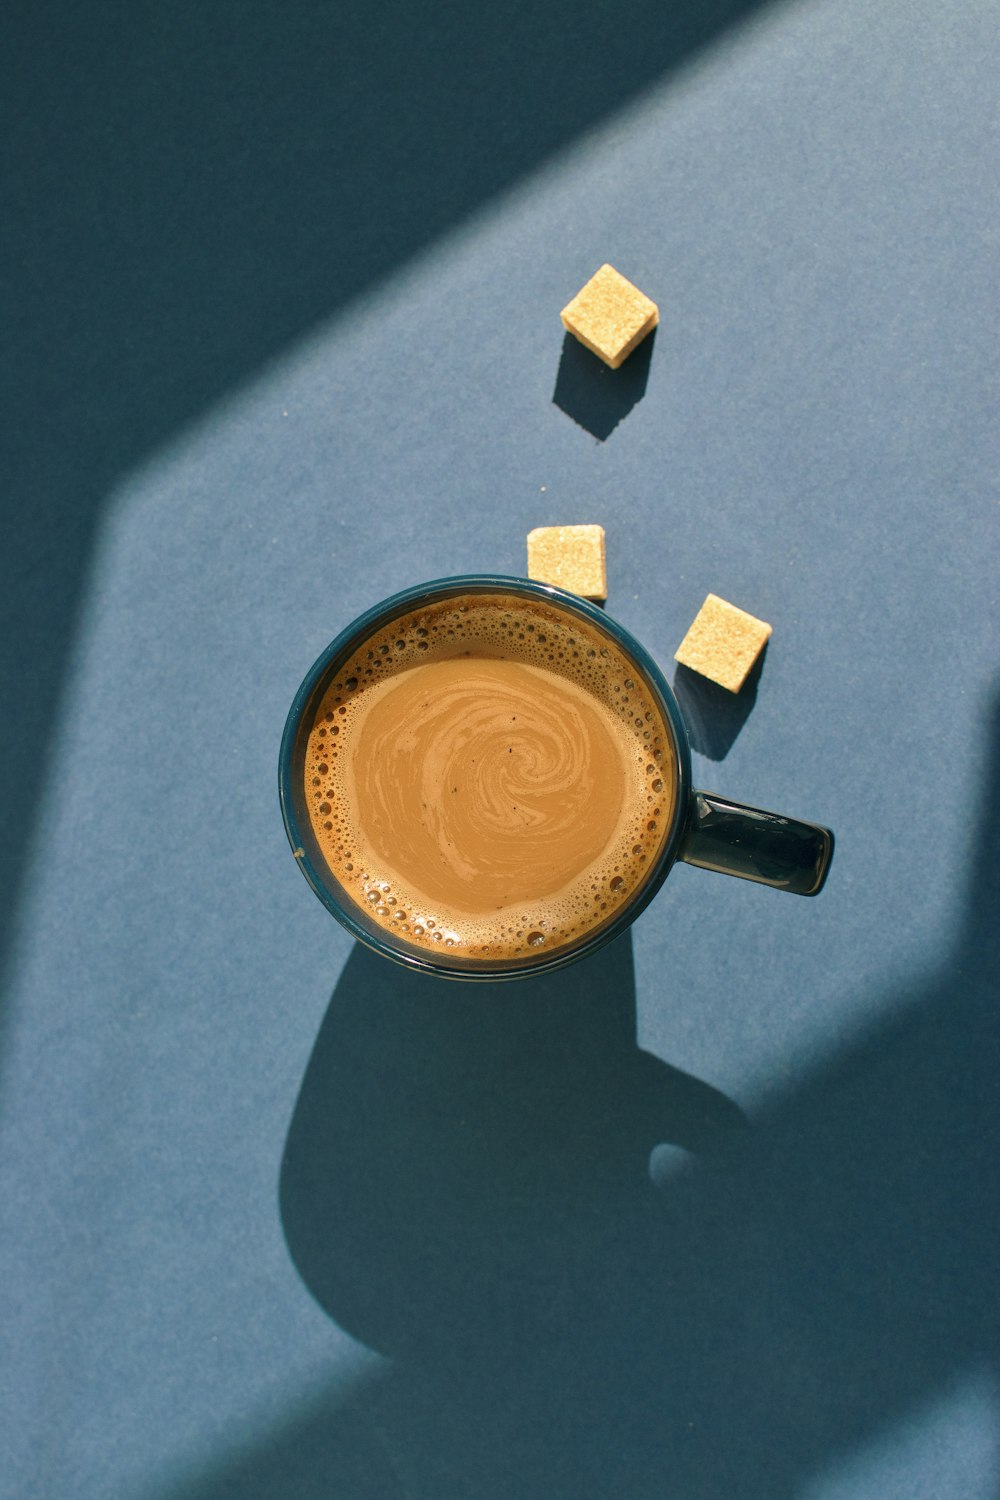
{"x":713,"y":715}
{"x":596,"y":397}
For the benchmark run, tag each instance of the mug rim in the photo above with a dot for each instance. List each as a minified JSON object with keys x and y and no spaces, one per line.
{"x":305,"y":846}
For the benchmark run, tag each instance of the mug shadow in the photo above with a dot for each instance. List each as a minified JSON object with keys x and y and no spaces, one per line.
{"x":460,"y":1162}
{"x":466,"y":1185}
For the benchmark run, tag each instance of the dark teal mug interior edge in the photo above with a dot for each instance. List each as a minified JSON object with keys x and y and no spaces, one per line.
{"x":291,"y":788}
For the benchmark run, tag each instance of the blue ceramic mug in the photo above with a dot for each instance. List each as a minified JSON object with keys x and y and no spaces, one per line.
{"x":704,"y":829}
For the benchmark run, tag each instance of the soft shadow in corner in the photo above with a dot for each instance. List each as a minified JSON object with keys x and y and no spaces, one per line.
{"x":463,"y":1162}
{"x":713,"y":715}
{"x":595,"y":396}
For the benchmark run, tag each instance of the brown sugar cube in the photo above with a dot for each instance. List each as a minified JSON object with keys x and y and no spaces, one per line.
{"x":571,"y":557}
{"x":723,"y":643}
{"x":610,"y":316}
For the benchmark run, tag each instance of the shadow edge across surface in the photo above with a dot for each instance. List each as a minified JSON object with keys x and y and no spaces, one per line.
{"x":137,"y":310}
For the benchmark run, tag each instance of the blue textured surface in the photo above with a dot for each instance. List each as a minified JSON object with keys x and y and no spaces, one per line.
{"x":279,"y":1221}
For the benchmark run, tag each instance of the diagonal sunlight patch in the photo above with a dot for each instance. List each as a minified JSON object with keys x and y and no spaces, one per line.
{"x":179,"y":1022}
{"x":948,"y":1446}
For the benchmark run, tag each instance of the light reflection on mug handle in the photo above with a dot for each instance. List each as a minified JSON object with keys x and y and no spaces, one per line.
{"x":756,"y":845}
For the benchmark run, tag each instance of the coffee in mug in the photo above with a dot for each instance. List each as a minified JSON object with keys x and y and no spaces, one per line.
{"x":489,"y":775}
{"x":486,"y":777}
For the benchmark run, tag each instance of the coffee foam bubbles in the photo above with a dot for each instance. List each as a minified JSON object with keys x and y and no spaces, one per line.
{"x":583,"y":709}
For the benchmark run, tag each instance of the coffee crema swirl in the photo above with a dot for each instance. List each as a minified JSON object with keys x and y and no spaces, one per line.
{"x":489,"y":775}
{"x":487,"y":782}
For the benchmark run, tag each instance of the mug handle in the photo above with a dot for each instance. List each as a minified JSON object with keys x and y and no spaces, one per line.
{"x":756,"y":845}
